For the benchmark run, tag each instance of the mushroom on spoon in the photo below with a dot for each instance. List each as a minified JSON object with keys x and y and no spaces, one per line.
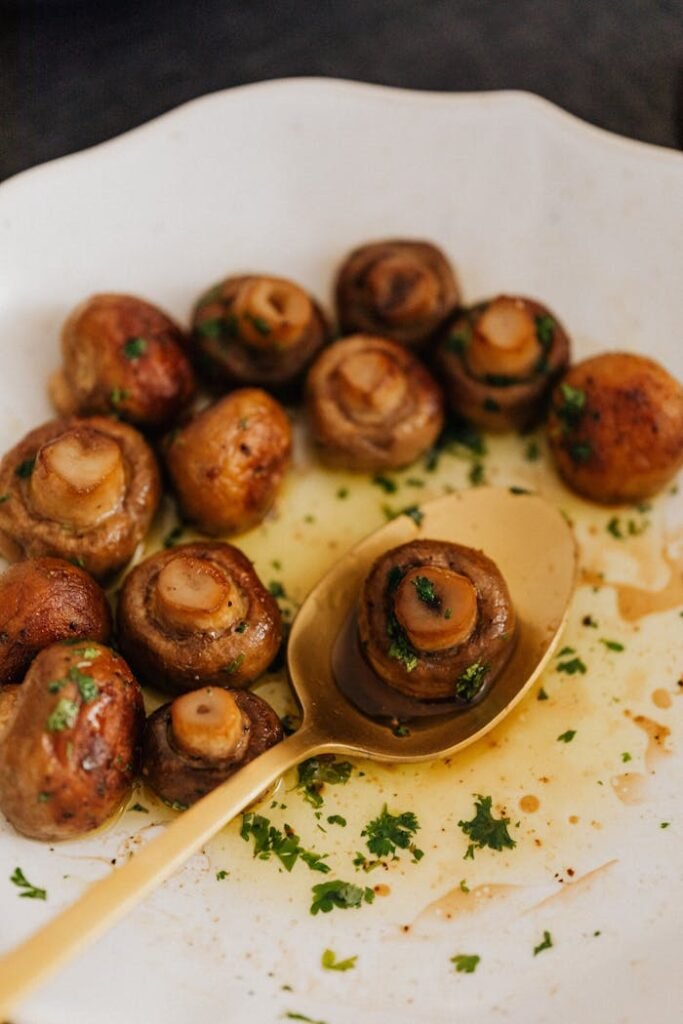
{"x":530,"y":542}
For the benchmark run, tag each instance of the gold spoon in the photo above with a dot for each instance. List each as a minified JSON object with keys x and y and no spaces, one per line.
{"x":533,"y":547}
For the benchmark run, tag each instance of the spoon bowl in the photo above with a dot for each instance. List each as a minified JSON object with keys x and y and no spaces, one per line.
{"x":534,"y":548}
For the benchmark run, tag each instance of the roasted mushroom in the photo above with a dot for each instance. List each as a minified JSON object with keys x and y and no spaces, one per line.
{"x":436,"y":622}
{"x":228,"y":462}
{"x":122,"y":355}
{"x":80,"y":489}
{"x":616,"y":427}
{"x":371,"y":404}
{"x":196,"y":615}
{"x":399,"y":289}
{"x":9,"y":697}
{"x":202,"y":738}
{"x":499,"y":360}
{"x":258,"y":330}
{"x":44,"y":600}
{"x":70,"y":751}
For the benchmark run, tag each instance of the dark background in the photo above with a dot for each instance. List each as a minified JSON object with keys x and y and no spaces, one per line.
{"x":73,"y":74}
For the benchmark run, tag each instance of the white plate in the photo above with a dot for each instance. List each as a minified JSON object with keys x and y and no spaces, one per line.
{"x":286,"y":177}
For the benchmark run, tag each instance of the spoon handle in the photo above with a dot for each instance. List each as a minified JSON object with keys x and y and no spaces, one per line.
{"x":106,"y":901}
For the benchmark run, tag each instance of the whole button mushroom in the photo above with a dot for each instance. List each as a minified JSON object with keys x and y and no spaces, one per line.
{"x":195,"y":615}
{"x":200,"y":739}
{"x":258,"y":330}
{"x":85,"y":490}
{"x":436,"y":621}
{"x":124,"y":356}
{"x":398,"y":289}
{"x":43,"y":600}
{"x":70,"y":750}
{"x":372,"y":405}
{"x":499,"y":361}
{"x":616,"y":428}
{"x":228,"y":462}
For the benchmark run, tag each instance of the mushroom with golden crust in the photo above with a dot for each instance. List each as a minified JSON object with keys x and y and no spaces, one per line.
{"x":227,"y":463}
{"x":499,"y":360}
{"x":257,"y":330}
{"x":200,"y":739}
{"x":70,"y":751}
{"x":436,"y":621}
{"x":85,"y":490}
{"x":371,"y":404}
{"x":196,"y":615}
{"x":43,"y":600}
{"x":124,"y":356}
{"x":615,"y":427}
{"x":399,"y":289}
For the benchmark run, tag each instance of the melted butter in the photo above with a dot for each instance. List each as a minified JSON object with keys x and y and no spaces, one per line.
{"x":568,"y":803}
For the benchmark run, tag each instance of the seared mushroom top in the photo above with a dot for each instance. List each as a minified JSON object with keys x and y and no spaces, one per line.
{"x":69,"y":753}
{"x":122,"y":355}
{"x":43,"y":600}
{"x":616,"y":427}
{"x":228,"y":462}
{"x":371,"y":404}
{"x":197,"y":614}
{"x":258,"y":330}
{"x":80,"y":489}
{"x":202,"y":738}
{"x":499,"y":360}
{"x":399,"y":289}
{"x":436,"y":621}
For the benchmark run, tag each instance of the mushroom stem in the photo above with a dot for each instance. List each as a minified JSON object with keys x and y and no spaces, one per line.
{"x":402,"y":289}
{"x":78,"y":478}
{"x":504,"y":341}
{"x":436,"y":607}
{"x":209,"y":723}
{"x":371,"y":386}
{"x":271,"y":312}
{"x":193,"y":594}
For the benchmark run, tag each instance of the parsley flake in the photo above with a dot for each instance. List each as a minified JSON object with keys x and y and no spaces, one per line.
{"x":426,"y":592}
{"x":31,"y":892}
{"x":612,"y":645}
{"x":63,"y":715}
{"x":343,"y":895}
{"x":546,"y":944}
{"x":485,"y":830}
{"x":316,"y":772}
{"x":572,"y":666}
{"x":135,"y":347}
{"x":566,"y":737}
{"x":470,"y":682}
{"x":25,"y":469}
{"x":388,"y":833}
{"x":329,"y":961}
{"x":465,"y":963}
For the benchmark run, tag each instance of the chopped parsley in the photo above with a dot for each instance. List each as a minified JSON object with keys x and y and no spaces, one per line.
{"x":342,"y":895}
{"x":235,"y":664}
{"x":401,"y":730}
{"x":25,"y":469}
{"x":329,"y":961}
{"x":545,"y":944}
{"x":580,"y":451}
{"x":425,"y":592}
{"x":520,"y":490}
{"x":485,"y":830}
{"x":291,"y":1015}
{"x":217,"y":328}
{"x":221,"y":875}
{"x":394,"y":577}
{"x":612,"y":645}
{"x":458,"y":342}
{"x":87,"y":687}
{"x":242,"y":627}
{"x":625,"y":757}
{"x":572,"y":666}
{"x":413,"y":512}
{"x":532,"y":451}
{"x":63,"y":715}
{"x":336,"y":819}
{"x":135,"y":347}
{"x":465,"y":963}
{"x":316,"y":772}
{"x":455,"y":437}
{"x":477,"y":474}
{"x":388,"y":833}
{"x":400,"y":647}
{"x":388,"y":485}
{"x":342,"y":492}
{"x":664,"y":824}
{"x":572,"y":407}
{"x":30,"y":892}
{"x":284,"y":844}
{"x":87,"y":653}
{"x":173,"y":536}
{"x":261,"y":325}
{"x":118,"y":395}
{"x":566,"y":737}
{"x":277,"y":590}
{"x":542,"y":695}
{"x":140,"y":808}
{"x":545,"y":328}
{"x":470,"y":682}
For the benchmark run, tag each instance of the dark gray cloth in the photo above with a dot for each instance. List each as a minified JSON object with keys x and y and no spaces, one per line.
{"x":72,"y":74}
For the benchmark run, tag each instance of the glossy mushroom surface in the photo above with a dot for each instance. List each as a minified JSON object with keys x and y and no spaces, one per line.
{"x":615,"y":427}
{"x":257,"y":330}
{"x":436,"y":621}
{"x":85,"y":490}
{"x":228,"y":462}
{"x":70,"y":751}
{"x":43,"y":600}
{"x":122,"y":355}
{"x":196,"y":615}
{"x":499,"y":360}
{"x":200,"y":739}
{"x":398,"y":289}
{"x":371,"y":404}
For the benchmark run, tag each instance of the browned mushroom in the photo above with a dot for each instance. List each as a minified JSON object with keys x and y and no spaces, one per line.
{"x":80,"y":489}
{"x":9,"y":698}
{"x":499,"y":360}
{"x":43,"y":600}
{"x":197,"y":742}
{"x":228,"y":462}
{"x":371,"y":404}
{"x":399,"y":289}
{"x":258,"y":330}
{"x":70,"y":750}
{"x":196,"y":615}
{"x":616,"y":427}
{"x":122,"y":355}
{"x":436,"y":622}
